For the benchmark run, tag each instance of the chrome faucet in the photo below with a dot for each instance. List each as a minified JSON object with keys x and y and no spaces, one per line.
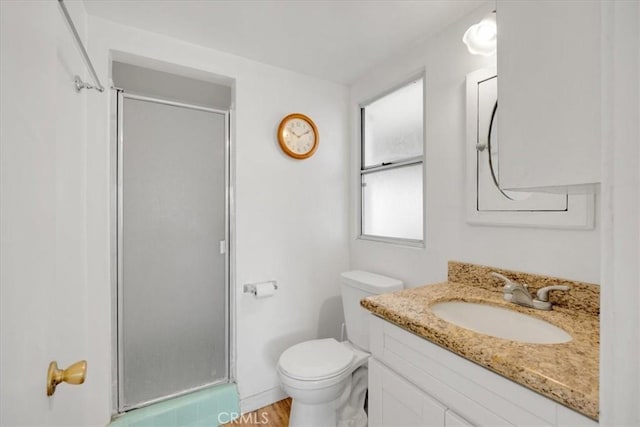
{"x":519,"y":294}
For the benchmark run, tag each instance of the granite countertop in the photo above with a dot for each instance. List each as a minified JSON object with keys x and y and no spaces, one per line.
{"x":566,"y":373}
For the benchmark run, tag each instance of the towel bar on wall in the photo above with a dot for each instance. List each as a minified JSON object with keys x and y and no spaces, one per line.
{"x":79,"y":84}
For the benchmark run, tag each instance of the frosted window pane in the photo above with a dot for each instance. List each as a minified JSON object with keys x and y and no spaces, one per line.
{"x":392,"y":203}
{"x":393,"y":126}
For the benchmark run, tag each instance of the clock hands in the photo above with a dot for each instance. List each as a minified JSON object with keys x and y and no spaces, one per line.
{"x":299,"y":136}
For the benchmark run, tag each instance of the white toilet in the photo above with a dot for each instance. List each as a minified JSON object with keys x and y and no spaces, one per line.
{"x":317,"y":374}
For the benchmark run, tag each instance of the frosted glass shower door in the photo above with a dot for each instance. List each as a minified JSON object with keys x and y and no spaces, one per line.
{"x":172,"y":302}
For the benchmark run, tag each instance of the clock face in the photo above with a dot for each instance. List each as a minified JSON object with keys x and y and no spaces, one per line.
{"x":298,"y":136}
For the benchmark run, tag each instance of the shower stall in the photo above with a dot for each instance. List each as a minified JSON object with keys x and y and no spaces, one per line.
{"x":172,"y":245}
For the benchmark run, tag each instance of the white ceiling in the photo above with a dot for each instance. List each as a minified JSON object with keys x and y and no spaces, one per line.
{"x":331,"y":39}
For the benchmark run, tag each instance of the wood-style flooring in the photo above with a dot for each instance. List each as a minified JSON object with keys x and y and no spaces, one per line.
{"x":276,"y":415}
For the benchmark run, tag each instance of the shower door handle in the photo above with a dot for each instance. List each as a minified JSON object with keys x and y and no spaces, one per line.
{"x":223,"y":247}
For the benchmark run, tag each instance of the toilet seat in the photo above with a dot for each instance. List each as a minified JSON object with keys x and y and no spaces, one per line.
{"x":316,"y":360}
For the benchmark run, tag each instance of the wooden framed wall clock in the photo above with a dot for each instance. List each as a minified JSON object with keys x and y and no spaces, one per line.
{"x":298,"y":136}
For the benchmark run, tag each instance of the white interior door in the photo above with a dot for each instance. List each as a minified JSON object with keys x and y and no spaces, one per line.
{"x":43,"y":205}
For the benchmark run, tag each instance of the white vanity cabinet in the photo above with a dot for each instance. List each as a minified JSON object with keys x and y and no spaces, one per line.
{"x":394,"y":401}
{"x":413,"y":382}
{"x":549,"y":94}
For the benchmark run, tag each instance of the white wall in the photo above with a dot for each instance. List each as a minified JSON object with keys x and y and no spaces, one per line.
{"x":620,"y":314}
{"x":291,"y":216}
{"x":563,"y":253}
{"x":43,"y":195}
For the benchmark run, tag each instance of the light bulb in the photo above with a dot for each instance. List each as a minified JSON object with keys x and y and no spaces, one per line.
{"x":486,"y":31}
{"x":481,"y":38}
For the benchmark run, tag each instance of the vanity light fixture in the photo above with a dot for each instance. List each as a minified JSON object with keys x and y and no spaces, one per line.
{"x":481,"y":38}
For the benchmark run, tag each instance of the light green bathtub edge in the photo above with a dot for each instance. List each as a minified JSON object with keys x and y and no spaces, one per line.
{"x":203,"y":408}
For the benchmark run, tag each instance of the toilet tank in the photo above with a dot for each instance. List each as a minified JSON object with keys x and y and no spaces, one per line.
{"x":357,"y":285}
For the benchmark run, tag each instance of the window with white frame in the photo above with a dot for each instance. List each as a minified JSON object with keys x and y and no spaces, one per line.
{"x":391,"y":167}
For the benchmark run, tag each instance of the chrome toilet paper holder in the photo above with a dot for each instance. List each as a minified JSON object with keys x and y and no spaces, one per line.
{"x":250,"y":288}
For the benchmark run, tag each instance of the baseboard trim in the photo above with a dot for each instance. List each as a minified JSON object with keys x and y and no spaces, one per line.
{"x":260,"y":400}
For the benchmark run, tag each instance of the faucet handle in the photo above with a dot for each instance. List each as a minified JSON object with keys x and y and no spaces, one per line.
{"x":543,"y":294}
{"x":507,"y":281}
{"x":509,"y":284}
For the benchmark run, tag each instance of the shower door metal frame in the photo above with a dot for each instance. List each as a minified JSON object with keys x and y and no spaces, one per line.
{"x":229,"y":251}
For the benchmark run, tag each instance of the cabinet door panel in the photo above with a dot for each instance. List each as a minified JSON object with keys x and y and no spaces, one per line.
{"x":397,"y":413}
{"x":451,"y":419}
{"x":400,"y":403}
{"x":549,"y":62}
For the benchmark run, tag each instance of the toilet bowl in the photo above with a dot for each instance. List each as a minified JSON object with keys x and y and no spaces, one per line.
{"x":317,"y":373}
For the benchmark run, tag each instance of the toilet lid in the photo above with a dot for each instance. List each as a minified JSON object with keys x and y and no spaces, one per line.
{"x":315,"y":359}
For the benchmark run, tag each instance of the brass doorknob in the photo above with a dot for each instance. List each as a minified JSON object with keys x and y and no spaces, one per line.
{"x":74,"y":374}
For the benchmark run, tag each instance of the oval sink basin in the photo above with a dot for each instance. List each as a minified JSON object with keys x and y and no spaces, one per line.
{"x":500,"y":322}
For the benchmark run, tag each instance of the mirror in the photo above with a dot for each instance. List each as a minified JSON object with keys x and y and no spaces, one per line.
{"x":492,"y":148}
{"x":485,"y":154}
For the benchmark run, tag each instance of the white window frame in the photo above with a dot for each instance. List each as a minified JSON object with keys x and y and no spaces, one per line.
{"x":418,"y":243}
